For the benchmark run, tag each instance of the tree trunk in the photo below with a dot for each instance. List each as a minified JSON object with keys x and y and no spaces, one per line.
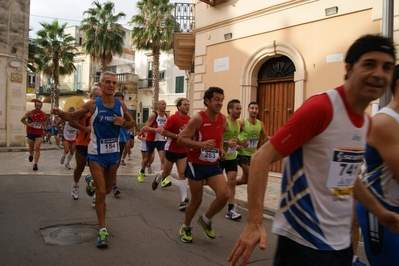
{"x":155,"y":78}
{"x":56,"y":73}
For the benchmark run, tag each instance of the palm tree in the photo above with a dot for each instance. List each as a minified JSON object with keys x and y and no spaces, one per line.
{"x":153,"y":31}
{"x":56,"y":52}
{"x":104,"y":37}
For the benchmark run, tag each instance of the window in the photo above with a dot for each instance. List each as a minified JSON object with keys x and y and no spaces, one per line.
{"x":77,"y":76}
{"x":146,"y":113}
{"x":149,"y":75}
{"x":162,"y":75}
{"x":179,"y":84}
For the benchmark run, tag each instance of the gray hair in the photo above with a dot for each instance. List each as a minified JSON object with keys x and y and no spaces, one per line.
{"x":106,"y":73}
{"x":95,"y":89}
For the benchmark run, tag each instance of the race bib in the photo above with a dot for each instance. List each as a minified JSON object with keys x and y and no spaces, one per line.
{"x":37,"y":125}
{"x":253,"y":142}
{"x":231,"y":150}
{"x":108,"y":146}
{"x":209,"y":155}
{"x":344,"y":168}
{"x":71,"y":132}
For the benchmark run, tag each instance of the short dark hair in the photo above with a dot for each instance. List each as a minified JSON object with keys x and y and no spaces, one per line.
{"x":394,"y":79}
{"x":368,"y":43}
{"x":37,"y":101}
{"x":119,"y":94}
{"x":251,"y":103}
{"x":231,"y":104}
{"x":209,"y":93}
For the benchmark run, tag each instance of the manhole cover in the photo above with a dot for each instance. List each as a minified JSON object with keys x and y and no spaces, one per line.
{"x":69,"y":234}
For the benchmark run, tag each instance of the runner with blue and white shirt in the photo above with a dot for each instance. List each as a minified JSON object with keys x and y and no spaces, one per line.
{"x":108,"y":116}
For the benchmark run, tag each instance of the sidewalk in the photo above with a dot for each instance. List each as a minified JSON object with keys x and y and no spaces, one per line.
{"x":15,"y":162}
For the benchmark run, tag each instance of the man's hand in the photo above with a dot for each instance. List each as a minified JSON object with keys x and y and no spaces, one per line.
{"x":252,"y":235}
{"x":390,"y":220}
{"x":208,"y":144}
{"x":118,"y":120}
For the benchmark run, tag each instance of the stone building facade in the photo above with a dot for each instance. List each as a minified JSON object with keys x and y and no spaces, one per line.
{"x":14,"y":28}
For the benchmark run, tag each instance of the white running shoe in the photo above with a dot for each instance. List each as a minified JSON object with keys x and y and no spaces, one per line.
{"x":75,"y":191}
{"x":233,"y":214}
{"x":67,"y":166}
{"x":149,"y":169}
{"x":62,"y":159}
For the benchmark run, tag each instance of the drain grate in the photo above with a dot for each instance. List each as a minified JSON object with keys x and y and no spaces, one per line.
{"x":69,"y":234}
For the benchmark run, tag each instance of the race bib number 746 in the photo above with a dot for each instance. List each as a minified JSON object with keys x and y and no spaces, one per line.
{"x":344,"y":168}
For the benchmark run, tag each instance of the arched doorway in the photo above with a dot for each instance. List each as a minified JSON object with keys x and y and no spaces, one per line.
{"x":250,"y":74}
{"x":275,"y":96}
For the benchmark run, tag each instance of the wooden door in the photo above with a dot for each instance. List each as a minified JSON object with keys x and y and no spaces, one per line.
{"x":275,"y":99}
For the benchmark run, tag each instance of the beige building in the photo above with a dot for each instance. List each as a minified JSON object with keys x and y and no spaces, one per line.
{"x":275,"y":52}
{"x":14,"y":28}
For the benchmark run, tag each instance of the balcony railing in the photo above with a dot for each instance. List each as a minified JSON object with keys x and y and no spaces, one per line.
{"x":184,"y":17}
{"x":145,"y":84}
{"x":122,"y":78}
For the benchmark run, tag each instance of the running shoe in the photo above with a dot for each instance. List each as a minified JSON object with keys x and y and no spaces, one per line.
{"x":233,"y":214}
{"x":93,"y":201}
{"x":62,"y":159}
{"x":166,"y":183}
{"x":140,"y":177}
{"x":185,"y":234}
{"x":149,"y":170}
{"x":123,"y":162}
{"x":154,"y":184}
{"x":102,"y":240}
{"x":90,"y":189}
{"x":115,"y":190}
{"x":183,"y":205}
{"x":357,"y":262}
{"x":35,"y":168}
{"x":75,"y":191}
{"x":67,"y":166}
{"x":30,"y":158}
{"x":207,"y":227}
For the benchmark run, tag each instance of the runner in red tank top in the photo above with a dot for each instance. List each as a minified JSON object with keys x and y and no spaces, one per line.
{"x":35,"y":122}
{"x":203,"y":136}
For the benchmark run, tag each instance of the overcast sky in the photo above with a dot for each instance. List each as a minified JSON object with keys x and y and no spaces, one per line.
{"x":71,"y":11}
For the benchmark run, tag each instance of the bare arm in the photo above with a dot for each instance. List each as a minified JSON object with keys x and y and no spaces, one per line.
{"x":168,"y":134}
{"x":24,"y":119}
{"x":385,"y":217}
{"x":254,"y":232}
{"x":68,"y":116}
{"x":75,"y":124}
{"x":148,"y":123}
{"x":185,"y":137}
{"x":385,"y":138}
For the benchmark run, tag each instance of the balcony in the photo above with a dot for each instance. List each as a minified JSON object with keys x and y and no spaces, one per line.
{"x":213,"y":2}
{"x":121,"y":78}
{"x":183,"y":37}
{"x":145,"y":84}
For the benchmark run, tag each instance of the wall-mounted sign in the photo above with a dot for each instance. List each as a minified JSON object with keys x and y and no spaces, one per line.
{"x":221,"y":64}
{"x":16,"y":77}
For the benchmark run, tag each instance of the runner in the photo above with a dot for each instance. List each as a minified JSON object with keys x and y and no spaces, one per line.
{"x":35,"y":122}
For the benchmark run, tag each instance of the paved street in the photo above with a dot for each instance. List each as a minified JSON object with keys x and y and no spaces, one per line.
{"x":40,"y":224}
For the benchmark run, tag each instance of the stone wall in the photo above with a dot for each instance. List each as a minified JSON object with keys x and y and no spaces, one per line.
{"x":14,"y":28}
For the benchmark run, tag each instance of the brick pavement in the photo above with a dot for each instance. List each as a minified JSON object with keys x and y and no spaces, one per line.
{"x":14,"y":161}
